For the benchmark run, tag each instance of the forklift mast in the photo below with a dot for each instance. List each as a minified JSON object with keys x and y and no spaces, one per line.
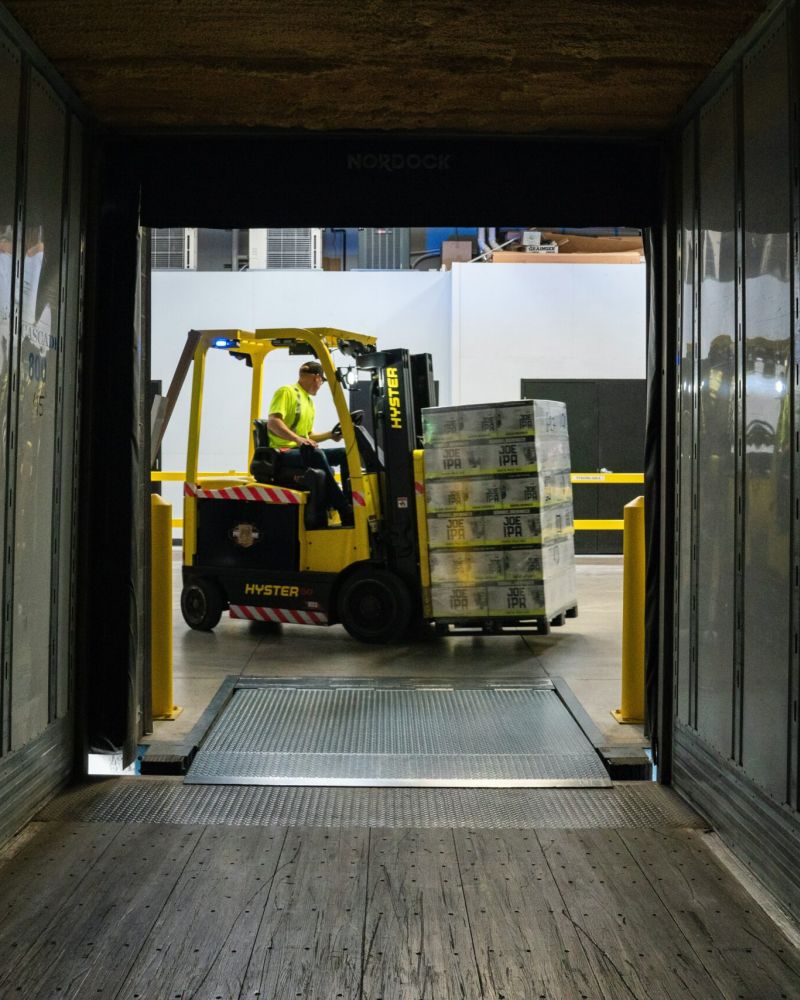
{"x":425,"y":390}
{"x":402,"y":385}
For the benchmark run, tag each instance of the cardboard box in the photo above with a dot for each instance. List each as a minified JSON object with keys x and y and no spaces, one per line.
{"x":495,"y":457}
{"x":526,"y":564}
{"x":482,"y":493}
{"x":537,"y":599}
{"x":546,"y":598}
{"x":521,"y":257}
{"x":511,"y":527}
{"x":459,"y":601}
{"x":572,"y":243}
{"x":478,"y":422}
{"x":455,"y":530}
{"x":555,"y":487}
{"x":527,"y":526}
{"x":467,"y":567}
{"x":455,"y":251}
{"x":516,"y":599}
{"x":541,"y":561}
{"x":543,"y":417}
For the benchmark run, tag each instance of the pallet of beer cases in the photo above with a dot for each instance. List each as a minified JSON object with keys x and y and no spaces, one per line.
{"x":498,"y":500}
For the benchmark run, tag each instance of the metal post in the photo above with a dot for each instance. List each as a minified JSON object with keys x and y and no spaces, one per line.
{"x":161,"y":608}
{"x":633,"y":591}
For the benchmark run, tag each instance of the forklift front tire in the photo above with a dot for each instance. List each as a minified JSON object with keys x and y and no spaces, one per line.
{"x":201,"y":605}
{"x":374,"y":606}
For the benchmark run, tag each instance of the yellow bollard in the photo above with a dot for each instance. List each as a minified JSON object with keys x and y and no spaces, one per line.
{"x":633,"y":591}
{"x":161,"y":608}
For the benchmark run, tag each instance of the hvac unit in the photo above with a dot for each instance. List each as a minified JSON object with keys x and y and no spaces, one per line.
{"x":257,"y":249}
{"x":173,"y":250}
{"x":285,"y":249}
{"x":384,"y":249}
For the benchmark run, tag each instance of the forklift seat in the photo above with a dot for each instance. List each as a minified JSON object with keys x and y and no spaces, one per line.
{"x":266,"y":459}
{"x":266,"y":468}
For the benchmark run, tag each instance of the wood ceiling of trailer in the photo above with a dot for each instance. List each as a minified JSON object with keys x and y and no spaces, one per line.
{"x":595,"y":67}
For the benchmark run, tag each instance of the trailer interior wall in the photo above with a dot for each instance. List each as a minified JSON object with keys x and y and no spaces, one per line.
{"x":737,"y":560}
{"x":41,"y":164}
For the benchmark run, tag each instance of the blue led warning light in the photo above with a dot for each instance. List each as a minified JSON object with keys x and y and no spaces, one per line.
{"x":224,"y":343}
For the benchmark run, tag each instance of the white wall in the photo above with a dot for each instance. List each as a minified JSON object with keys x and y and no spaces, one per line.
{"x":487,"y":327}
{"x":400,"y":308}
{"x":515,"y":321}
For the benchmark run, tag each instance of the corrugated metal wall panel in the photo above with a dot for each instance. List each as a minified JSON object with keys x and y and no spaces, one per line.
{"x":735,"y":752}
{"x":716,"y":446}
{"x":31,"y":775}
{"x":41,"y":184}
{"x":767,"y":477}
{"x":765,"y":837}
{"x":686,"y":543}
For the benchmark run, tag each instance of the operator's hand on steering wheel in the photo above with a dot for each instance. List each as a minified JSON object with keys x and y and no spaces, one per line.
{"x":336,"y":433}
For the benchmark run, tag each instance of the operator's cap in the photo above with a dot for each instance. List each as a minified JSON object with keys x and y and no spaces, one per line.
{"x":312,"y":368}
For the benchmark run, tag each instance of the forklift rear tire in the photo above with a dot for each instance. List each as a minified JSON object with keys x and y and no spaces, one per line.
{"x":201,"y":605}
{"x":374,"y":606}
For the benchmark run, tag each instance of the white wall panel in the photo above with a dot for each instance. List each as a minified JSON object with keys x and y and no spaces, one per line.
{"x":487,"y":327}
{"x":401,"y":309}
{"x":544,"y":321}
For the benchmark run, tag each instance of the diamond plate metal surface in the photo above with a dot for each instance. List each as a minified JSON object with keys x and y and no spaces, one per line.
{"x":631,"y":805}
{"x":468,"y":737}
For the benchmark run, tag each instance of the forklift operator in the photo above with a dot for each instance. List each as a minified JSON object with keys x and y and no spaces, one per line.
{"x":290,"y":424}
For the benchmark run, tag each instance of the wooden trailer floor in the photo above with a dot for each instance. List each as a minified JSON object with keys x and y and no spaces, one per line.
{"x":145,"y":888}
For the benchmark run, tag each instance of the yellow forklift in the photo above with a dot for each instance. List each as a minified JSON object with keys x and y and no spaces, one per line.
{"x":261,"y":547}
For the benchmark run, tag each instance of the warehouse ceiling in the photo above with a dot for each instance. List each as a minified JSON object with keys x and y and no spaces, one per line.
{"x":522,"y":66}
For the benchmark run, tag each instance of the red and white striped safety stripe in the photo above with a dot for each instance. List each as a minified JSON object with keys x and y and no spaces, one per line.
{"x":285,"y":615}
{"x":266,"y":494}
{"x":359,"y":499}
{"x":419,"y":487}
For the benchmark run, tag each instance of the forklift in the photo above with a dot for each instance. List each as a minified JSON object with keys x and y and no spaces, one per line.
{"x":259,"y":546}
{"x":262,"y":545}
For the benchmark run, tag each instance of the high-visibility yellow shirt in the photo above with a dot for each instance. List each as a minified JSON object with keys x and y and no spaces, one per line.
{"x":296,"y":408}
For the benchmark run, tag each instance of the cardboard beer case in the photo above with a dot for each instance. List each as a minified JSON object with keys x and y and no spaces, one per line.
{"x":504,"y":563}
{"x":456,"y":601}
{"x":506,"y":455}
{"x":507,"y":527}
{"x":516,"y":418}
{"x":498,"y":502}
{"x":512,"y":600}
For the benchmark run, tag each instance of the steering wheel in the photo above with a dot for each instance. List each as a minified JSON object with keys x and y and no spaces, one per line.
{"x":357,"y":416}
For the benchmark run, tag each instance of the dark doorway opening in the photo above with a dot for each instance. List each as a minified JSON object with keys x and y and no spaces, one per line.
{"x":240,"y":180}
{"x":607,"y":419}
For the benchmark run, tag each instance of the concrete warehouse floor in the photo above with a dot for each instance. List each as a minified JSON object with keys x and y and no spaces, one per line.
{"x":586,"y":653}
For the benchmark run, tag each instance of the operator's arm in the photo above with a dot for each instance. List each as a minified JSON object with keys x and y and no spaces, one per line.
{"x":327,"y":436}
{"x":277,"y":426}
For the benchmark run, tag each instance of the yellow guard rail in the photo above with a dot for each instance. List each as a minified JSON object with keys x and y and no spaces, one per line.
{"x":595,"y":478}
